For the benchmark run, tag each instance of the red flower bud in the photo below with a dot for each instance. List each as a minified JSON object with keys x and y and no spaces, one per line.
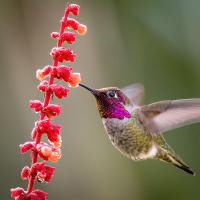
{"x":43,"y":73}
{"x":46,"y":126}
{"x":36,"y":105}
{"x":37,"y":195}
{"x":43,"y":171}
{"x":52,"y":110}
{"x":73,"y":8}
{"x":55,"y":35}
{"x":26,"y":146}
{"x":19,"y":194}
{"x":60,"y":54}
{"x":68,"y":37}
{"x":72,"y":23}
{"x":37,"y":167}
{"x":59,"y":90}
{"x":53,"y":133}
{"x":25,"y":172}
{"x":43,"y":86}
{"x":16,"y":192}
{"x":62,"y":72}
{"x":49,"y":172}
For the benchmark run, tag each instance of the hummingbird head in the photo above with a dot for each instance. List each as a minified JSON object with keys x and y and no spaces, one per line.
{"x":111,"y":102}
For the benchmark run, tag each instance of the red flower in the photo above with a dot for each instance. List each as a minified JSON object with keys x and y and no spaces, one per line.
{"x":16,"y":192}
{"x":42,"y":171}
{"x":26,"y":147}
{"x":62,"y":72}
{"x":53,"y":132}
{"x":68,"y":37}
{"x":43,"y":86}
{"x":59,"y":90}
{"x":52,"y":110}
{"x":36,"y":105}
{"x":60,"y":54}
{"x":74,"y":80}
{"x":19,"y":194}
{"x":36,"y":195}
{"x":82,"y":29}
{"x":55,"y":35}
{"x":56,"y":155}
{"x":47,"y":152}
{"x":25,"y":172}
{"x":43,"y":73}
{"x":72,"y":23}
{"x":58,"y":143}
{"x":44,"y":150}
{"x":73,"y":8}
{"x":46,"y":126}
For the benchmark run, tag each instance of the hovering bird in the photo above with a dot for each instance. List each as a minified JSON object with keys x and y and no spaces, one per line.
{"x":136,"y":129}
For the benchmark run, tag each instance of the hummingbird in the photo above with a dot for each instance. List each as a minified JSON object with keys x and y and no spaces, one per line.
{"x":136,"y":130}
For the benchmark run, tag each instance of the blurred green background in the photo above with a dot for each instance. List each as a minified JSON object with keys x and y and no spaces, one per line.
{"x":153,"y":42}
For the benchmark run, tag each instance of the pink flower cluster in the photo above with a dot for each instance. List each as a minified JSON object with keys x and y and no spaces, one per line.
{"x":39,"y":170}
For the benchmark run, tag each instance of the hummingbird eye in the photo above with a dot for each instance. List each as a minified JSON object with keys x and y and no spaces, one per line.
{"x":111,"y":94}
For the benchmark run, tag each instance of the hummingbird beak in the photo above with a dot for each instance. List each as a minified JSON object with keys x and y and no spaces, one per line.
{"x":92,"y":90}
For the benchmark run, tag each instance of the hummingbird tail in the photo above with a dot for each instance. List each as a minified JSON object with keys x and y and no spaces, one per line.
{"x":171,"y":157}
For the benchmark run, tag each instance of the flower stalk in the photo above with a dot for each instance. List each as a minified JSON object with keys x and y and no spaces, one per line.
{"x":39,"y":170}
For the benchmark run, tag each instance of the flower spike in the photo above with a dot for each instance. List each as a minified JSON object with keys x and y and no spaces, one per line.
{"x":41,"y":152}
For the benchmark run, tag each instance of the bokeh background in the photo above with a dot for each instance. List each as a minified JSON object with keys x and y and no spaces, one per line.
{"x":153,"y":42}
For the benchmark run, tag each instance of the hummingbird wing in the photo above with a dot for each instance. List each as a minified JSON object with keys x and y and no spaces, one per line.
{"x":163,"y":116}
{"x":135,"y":92}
